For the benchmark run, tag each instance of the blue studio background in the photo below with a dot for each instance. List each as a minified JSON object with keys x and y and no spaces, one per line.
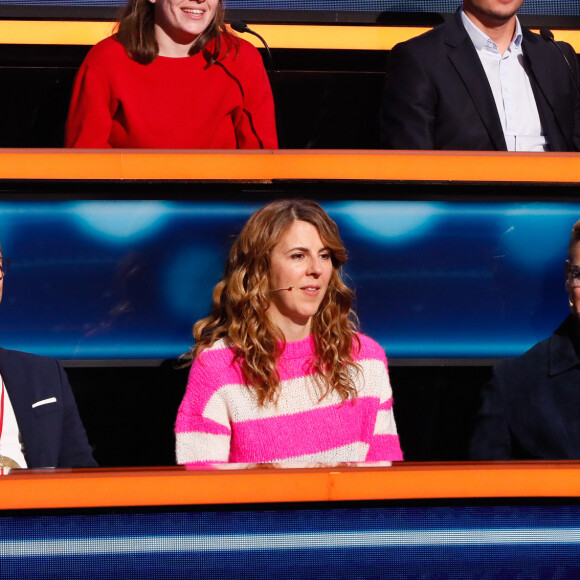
{"x":121,"y":279}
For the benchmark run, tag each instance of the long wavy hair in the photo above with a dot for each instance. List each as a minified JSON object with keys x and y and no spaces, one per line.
{"x":241,"y":302}
{"x":136,"y":32}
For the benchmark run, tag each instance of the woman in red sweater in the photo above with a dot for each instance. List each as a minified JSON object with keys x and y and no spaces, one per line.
{"x":174,"y":77}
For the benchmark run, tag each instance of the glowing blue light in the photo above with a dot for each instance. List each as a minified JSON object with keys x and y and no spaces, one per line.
{"x":531,"y":240}
{"x":120,"y":220}
{"x":286,"y":542}
{"x":392,"y":221}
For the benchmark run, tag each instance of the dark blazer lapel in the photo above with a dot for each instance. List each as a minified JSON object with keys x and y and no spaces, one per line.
{"x":545,"y":86}
{"x":464,"y":59}
{"x":540,"y":66}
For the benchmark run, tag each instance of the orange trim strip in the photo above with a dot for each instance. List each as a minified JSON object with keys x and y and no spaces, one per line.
{"x":176,"y":486}
{"x":54,"y":32}
{"x":277,"y":35}
{"x":332,"y":37}
{"x":288,"y":164}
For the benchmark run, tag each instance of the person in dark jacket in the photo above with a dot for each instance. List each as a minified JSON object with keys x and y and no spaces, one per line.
{"x":481,"y":81}
{"x":39,"y":422}
{"x":531,"y":407}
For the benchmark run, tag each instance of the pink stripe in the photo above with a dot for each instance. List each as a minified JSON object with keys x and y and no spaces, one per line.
{"x":220,"y":367}
{"x":387,"y":405}
{"x":217,"y":356}
{"x":209,"y":372}
{"x":203,"y":466}
{"x":188,"y":424}
{"x":218,"y":364}
{"x":369,"y":349}
{"x":385,"y":448}
{"x":292,"y":369}
{"x":289,"y":368}
{"x":278,"y":438}
{"x":230,"y":373}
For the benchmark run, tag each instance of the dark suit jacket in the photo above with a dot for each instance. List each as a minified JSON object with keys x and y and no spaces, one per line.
{"x":531,"y":407}
{"x":436,"y":94}
{"x":52,"y":433}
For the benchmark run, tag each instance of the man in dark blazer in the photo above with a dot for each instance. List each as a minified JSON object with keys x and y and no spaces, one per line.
{"x":437,"y":94}
{"x":531,"y":407}
{"x":48,"y":423}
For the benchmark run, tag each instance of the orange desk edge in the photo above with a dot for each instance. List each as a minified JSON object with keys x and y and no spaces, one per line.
{"x":220,"y":165}
{"x":101,"y":488}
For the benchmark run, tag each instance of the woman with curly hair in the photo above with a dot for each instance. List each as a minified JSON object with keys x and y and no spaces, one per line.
{"x":279,"y":371}
{"x":173,"y":76}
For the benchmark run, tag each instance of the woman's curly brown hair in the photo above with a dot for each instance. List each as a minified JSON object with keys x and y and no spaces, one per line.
{"x":240,"y":305}
{"x":136,"y":32}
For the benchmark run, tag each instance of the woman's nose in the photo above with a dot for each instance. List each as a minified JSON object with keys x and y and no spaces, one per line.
{"x":315,"y":267}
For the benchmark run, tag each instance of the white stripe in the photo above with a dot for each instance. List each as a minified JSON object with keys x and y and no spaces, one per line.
{"x":44,"y":402}
{"x":385,"y":424}
{"x":200,"y":543}
{"x":296,"y":396}
{"x":194,"y":446}
{"x":356,"y":451}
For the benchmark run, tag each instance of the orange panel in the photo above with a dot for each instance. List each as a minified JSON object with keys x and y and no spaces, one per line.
{"x":177,"y":486}
{"x":59,"y":164}
{"x":287,"y":165}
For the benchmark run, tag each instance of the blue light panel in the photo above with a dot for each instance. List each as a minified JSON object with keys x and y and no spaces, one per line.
{"x":120,"y":279}
{"x":450,"y":542}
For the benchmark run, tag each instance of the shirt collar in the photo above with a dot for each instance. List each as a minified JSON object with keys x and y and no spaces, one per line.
{"x":482,"y":41}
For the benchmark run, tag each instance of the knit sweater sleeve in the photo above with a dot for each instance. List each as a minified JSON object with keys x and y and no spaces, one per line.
{"x":203,"y":429}
{"x":384,"y":444}
{"x":255,"y":124}
{"x":90,"y":117}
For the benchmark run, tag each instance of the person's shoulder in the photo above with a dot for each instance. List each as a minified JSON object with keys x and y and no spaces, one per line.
{"x":221,"y":345}
{"x":107,"y":50}
{"x":428,"y":40}
{"x":26,"y":360}
{"x":219,"y":352}
{"x":213,"y":368}
{"x":526,"y":363}
{"x":245,"y":47}
{"x":240,"y":52}
{"x":531,"y":38}
{"x":369,"y":348}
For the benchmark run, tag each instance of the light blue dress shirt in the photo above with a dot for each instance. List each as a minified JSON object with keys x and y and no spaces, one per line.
{"x":511,"y":88}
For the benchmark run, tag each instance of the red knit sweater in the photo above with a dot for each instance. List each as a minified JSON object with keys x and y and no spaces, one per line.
{"x":175,"y":103}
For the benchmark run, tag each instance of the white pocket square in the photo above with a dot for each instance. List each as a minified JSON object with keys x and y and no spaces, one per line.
{"x":44,"y":402}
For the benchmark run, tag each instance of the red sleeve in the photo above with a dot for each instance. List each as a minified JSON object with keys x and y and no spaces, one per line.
{"x":89,"y":117}
{"x":256,"y":126}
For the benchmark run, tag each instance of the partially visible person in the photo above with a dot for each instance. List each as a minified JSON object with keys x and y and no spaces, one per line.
{"x":39,"y":421}
{"x":279,"y":370}
{"x":173,"y":76}
{"x":531,"y":407}
{"x":481,"y":82}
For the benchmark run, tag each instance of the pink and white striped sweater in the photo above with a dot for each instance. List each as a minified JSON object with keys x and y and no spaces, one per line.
{"x":219,"y":419}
